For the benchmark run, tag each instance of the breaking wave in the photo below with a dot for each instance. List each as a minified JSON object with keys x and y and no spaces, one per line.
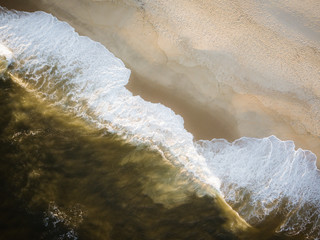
{"x":260,"y":177}
{"x":267,"y":177}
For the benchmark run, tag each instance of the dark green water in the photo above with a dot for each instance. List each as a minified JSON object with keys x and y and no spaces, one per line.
{"x":61,"y":178}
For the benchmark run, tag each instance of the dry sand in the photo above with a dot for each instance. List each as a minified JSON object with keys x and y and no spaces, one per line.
{"x":203,"y":124}
{"x":207,"y":113}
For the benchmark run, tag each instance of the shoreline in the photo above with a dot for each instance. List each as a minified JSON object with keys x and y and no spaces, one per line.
{"x":203,"y":124}
{"x":229,"y":116}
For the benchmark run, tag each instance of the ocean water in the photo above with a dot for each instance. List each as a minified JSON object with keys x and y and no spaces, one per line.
{"x":84,"y":158}
{"x":61,"y":178}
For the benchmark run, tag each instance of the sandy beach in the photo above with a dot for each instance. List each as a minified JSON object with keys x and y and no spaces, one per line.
{"x":163,"y":119}
{"x":201,"y":123}
{"x":162,"y":72}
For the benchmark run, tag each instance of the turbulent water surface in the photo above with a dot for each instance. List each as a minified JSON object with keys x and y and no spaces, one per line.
{"x":84,"y":158}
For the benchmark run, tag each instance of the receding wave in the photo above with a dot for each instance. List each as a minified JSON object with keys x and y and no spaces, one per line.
{"x":260,"y":177}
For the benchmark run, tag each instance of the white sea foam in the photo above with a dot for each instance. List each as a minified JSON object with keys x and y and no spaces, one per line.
{"x":267,"y":176}
{"x":5,"y":58}
{"x":5,"y":52}
{"x":84,"y":77}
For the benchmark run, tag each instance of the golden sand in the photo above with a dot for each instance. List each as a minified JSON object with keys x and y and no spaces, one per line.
{"x":163,"y":72}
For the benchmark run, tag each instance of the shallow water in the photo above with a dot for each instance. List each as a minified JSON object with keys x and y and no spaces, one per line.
{"x":87,"y":159}
{"x":63,"y":179}
{"x":60,"y":177}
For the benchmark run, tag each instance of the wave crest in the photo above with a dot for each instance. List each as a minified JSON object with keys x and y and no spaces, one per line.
{"x":260,"y":176}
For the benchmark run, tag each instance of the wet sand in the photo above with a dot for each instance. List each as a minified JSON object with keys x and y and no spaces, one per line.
{"x":209,"y":111}
{"x":203,"y":124}
{"x":197,"y":116}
